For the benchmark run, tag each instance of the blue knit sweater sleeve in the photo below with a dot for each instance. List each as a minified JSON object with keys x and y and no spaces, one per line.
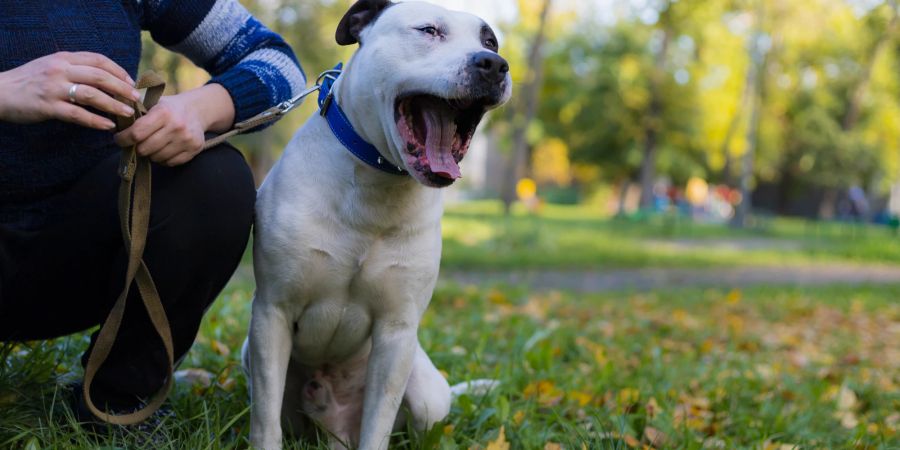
{"x":253,"y":63}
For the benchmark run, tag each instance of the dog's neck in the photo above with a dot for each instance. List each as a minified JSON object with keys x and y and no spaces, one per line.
{"x":365,"y":109}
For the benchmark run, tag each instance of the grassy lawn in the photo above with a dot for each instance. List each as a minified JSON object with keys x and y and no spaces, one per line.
{"x":478,"y":236}
{"x":759,"y":369}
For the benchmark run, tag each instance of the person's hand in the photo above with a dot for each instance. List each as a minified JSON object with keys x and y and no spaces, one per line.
{"x":173,"y":131}
{"x":39,"y":90}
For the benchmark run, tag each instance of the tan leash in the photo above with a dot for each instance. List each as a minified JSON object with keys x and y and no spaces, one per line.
{"x":134,"y":218}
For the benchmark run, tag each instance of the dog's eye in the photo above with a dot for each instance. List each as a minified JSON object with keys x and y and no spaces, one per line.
{"x":491,"y":44}
{"x":429,"y":30}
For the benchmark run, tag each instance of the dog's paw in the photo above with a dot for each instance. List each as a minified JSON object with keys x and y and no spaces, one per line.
{"x":478,"y":388}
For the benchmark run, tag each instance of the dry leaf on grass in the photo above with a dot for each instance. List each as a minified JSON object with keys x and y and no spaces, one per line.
{"x":656,"y":438}
{"x":220,"y":348}
{"x":500,"y":443}
{"x":546,"y":393}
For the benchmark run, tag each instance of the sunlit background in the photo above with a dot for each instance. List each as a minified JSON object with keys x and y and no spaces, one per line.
{"x":720,"y":110}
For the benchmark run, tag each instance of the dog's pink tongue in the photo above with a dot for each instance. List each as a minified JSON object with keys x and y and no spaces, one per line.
{"x":441,"y":131}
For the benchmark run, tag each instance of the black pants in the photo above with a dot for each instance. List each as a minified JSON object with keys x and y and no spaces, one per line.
{"x":65,"y":278}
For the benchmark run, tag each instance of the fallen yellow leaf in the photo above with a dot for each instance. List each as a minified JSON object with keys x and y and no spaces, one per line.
{"x":552,"y":446}
{"x":497,"y":297}
{"x":228,"y":385}
{"x":631,"y":441}
{"x":656,"y":438}
{"x":733,"y":297}
{"x":546,"y":393}
{"x":627,"y":397}
{"x":500,"y":443}
{"x":220,"y":348}
{"x":580,"y":397}
{"x":519,"y":417}
{"x":652,"y":408}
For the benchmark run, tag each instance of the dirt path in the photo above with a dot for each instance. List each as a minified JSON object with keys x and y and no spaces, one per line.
{"x":648,"y":279}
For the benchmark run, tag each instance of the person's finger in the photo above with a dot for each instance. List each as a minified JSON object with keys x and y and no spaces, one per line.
{"x":102,"y":80}
{"x":101,"y":62}
{"x":155,"y":144}
{"x":91,"y":96}
{"x":68,"y":112}
{"x":142,"y":129}
{"x":179,"y":159}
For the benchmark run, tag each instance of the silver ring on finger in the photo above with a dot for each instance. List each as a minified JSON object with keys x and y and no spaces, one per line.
{"x":72,"y":91}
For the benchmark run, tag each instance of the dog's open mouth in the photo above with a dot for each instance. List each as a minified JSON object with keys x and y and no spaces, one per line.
{"x":437,"y":133}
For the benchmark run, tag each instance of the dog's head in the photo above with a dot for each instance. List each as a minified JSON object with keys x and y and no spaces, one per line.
{"x":420,"y":82}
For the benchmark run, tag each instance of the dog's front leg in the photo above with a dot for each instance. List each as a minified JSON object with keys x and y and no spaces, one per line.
{"x":270,"y":352}
{"x":394,"y":343}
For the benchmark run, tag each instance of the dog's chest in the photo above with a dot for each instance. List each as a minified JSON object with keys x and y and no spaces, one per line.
{"x":341,"y":288}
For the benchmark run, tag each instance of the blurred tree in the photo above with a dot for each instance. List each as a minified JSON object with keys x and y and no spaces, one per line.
{"x":821,"y":101}
{"x":524,"y":108}
{"x":624,"y":97}
{"x":758,"y":49}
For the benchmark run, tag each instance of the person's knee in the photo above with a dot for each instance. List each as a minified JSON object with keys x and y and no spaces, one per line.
{"x":224,"y":185}
{"x":209,"y":202}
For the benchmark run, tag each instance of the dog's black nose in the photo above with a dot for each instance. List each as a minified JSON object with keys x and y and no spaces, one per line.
{"x":491,"y":66}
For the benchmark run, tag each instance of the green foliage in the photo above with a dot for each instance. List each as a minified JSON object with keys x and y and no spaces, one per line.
{"x":822,"y":57}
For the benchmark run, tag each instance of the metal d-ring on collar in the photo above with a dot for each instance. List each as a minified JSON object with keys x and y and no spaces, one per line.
{"x":343,"y":130}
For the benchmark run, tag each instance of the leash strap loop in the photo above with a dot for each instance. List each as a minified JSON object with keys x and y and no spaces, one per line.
{"x":134,"y":219}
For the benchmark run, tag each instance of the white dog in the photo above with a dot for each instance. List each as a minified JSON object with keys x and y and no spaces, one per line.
{"x":348,"y":243}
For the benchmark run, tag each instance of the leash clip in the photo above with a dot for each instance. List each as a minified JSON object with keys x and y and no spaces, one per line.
{"x":323,"y":110}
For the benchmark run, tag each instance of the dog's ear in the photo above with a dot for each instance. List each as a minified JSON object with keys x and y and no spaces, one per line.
{"x":360,"y":15}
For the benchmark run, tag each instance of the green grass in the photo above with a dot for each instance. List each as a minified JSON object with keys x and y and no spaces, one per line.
{"x":477,"y":236}
{"x":818,"y":368}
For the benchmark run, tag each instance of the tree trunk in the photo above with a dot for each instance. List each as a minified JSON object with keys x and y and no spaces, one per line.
{"x":755,"y":77}
{"x":728,"y":168}
{"x":624,"y":187}
{"x":653,"y":123}
{"x":517,"y":165}
{"x":743,"y":209}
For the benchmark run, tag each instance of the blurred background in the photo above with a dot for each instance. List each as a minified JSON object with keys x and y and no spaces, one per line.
{"x":717,"y":108}
{"x":675,"y":118}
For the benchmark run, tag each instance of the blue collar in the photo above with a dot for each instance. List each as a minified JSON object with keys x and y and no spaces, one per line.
{"x":344,"y":132}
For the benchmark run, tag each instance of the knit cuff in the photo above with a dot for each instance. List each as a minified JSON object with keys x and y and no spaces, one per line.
{"x":248,"y":93}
